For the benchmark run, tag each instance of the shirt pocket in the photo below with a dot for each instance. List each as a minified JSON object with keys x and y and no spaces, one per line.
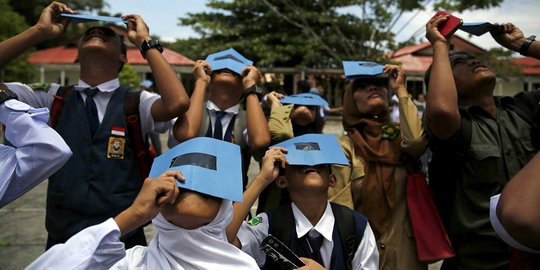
{"x":484,"y":165}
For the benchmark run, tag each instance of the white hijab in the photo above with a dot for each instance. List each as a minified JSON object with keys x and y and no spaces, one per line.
{"x":203,"y":248}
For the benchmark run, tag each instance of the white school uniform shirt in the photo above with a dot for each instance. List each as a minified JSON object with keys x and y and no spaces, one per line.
{"x":501,"y":231}
{"x":365,"y":257}
{"x":225,"y":121}
{"x":99,"y":247}
{"x":40,"y":99}
{"x":39,"y":151}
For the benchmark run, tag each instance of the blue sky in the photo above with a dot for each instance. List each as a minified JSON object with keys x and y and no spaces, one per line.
{"x":162,"y":17}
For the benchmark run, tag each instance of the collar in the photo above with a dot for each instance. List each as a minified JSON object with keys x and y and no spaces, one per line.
{"x":325,"y":226}
{"x":500,"y":102}
{"x":108,"y":86}
{"x":213,"y":107}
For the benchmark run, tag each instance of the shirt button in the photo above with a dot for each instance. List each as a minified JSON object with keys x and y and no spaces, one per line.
{"x":383,"y":246}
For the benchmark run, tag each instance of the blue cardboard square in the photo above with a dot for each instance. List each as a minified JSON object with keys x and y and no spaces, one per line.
{"x":476,"y":28}
{"x":80,"y":18}
{"x":210,"y":166}
{"x":228,"y":59}
{"x":306,"y":99}
{"x":314,"y":149}
{"x":358,"y":69}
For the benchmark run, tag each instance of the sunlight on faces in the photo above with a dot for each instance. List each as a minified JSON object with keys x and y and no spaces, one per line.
{"x":105,"y":42}
{"x":370,"y":95}
{"x":306,"y":178}
{"x":192,"y":209}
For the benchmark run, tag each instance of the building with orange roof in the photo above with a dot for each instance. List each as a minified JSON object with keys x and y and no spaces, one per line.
{"x":417,"y":58}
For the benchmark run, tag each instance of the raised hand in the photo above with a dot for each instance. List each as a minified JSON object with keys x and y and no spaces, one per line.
{"x":201,"y":71}
{"x":273,"y":99}
{"x":397,"y":79}
{"x":251,"y":76}
{"x":508,"y":35}
{"x":432,"y":30}
{"x":138,"y":31}
{"x":272,"y":162}
{"x":154,"y":194}
{"x":50,"y":23}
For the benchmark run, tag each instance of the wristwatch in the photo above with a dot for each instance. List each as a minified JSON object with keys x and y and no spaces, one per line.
{"x":150,"y":44}
{"x":525,"y":47}
{"x":254,"y":89}
{"x":6,"y":94}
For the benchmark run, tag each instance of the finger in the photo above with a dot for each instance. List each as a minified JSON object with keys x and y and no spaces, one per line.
{"x":162,"y":195}
{"x":437,"y":21}
{"x":180,"y":176}
{"x":170,"y":193}
{"x":279,"y":148}
{"x":162,"y":201}
{"x":284,"y":161}
{"x":245,"y":71}
{"x":175,"y":194}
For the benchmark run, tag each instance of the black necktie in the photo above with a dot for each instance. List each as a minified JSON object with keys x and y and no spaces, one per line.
{"x":91,"y":109}
{"x":315,"y":242}
{"x":218,"y":129}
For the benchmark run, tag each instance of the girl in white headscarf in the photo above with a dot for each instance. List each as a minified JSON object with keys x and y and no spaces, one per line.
{"x":190,"y":234}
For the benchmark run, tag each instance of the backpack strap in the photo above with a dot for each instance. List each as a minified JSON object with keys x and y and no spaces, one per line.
{"x":60,"y":99}
{"x":279,"y":223}
{"x":133,"y":121}
{"x":351,"y":231}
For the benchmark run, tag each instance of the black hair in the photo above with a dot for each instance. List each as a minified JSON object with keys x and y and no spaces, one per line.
{"x":451,"y":55}
{"x":303,"y":86}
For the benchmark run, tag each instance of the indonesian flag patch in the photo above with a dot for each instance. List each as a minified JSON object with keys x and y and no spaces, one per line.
{"x":118,"y":131}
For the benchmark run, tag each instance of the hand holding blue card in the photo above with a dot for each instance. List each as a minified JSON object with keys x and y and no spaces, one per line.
{"x":314,"y":149}
{"x":476,"y":28}
{"x":210,"y":166}
{"x":358,"y":69}
{"x":305,"y":99}
{"x":81,"y":18}
{"x":228,"y":59}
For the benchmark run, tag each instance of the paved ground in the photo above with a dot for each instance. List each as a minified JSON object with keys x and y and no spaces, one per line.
{"x":22,"y":229}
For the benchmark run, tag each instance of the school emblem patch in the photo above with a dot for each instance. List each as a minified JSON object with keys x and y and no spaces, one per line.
{"x":254,"y":221}
{"x":116,"y":147}
{"x":40,"y":86}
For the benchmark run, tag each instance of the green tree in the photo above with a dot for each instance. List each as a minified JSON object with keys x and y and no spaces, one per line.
{"x":303,"y":33}
{"x":128,"y":77}
{"x":11,"y":24}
